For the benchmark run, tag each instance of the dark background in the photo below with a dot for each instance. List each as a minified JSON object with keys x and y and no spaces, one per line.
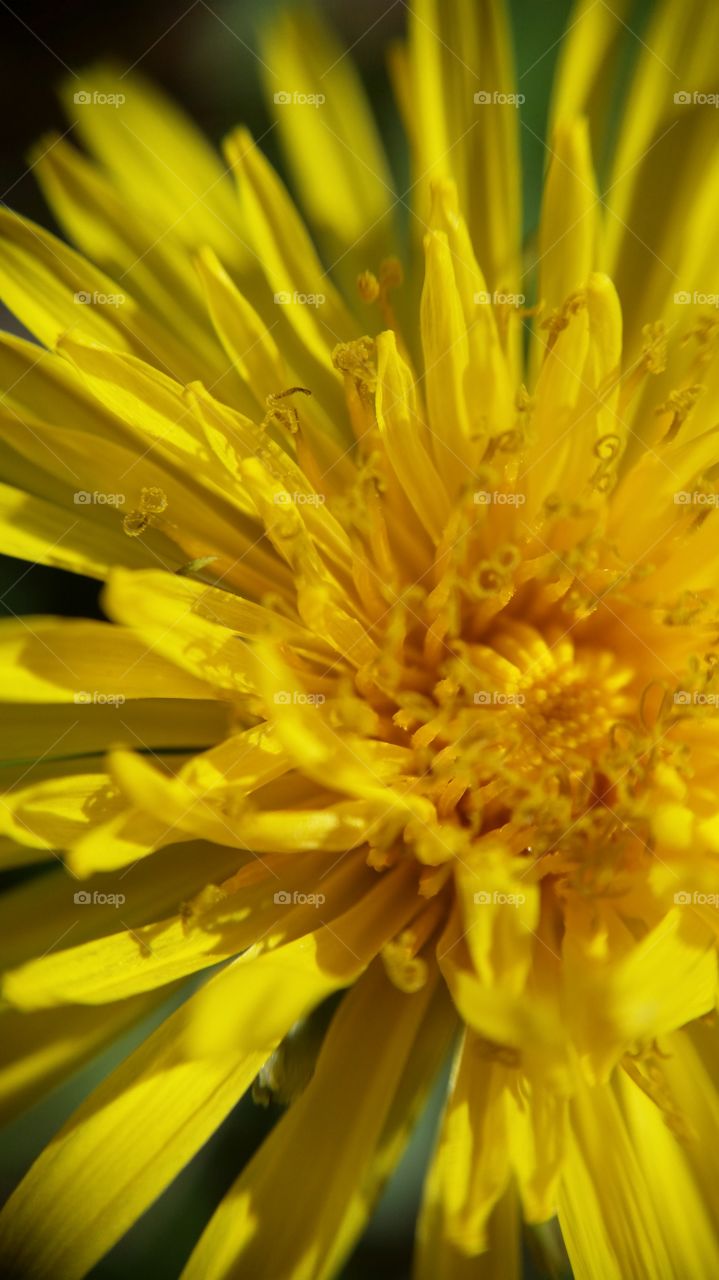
{"x":201,"y":54}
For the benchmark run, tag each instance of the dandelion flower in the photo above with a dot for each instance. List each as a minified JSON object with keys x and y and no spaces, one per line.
{"x":401,"y":736}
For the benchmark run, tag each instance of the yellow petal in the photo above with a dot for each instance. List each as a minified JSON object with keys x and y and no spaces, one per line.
{"x":437,"y":1258}
{"x":121,"y":840}
{"x":673,"y":825}
{"x":687,"y":1228}
{"x":54,"y":290}
{"x":212,"y":928}
{"x":613,"y":1005}
{"x":607,"y":1223}
{"x":165,"y":611}
{"x":126,"y":242}
{"x":150,"y":146}
{"x":493,"y":412}
{"x":333,"y":759}
{"x":167,"y":808}
{"x":585,"y":54}
{"x":585,"y":454}
{"x":59,"y":459}
{"x":537,"y":1123}
{"x":689,"y":1070}
{"x":55,"y":812}
{"x":406,"y":437}
{"x":495,"y":1012}
{"x":136,"y":832}
{"x":156,"y":414}
{"x":500,"y":913}
{"x":45,"y":533}
{"x":456,"y":52}
{"x":41,"y":916}
{"x":428,"y":1052}
{"x":470,"y":1168}
{"x":310,"y":969}
{"x":569,"y":229}
{"x":671,"y":60}
{"x":334,"y":134}
{"x":560,"y":386}
{"x":294,"y":273}
{"x":245,"y":337}
{"x":39,"y":1050}
{"x":124,"y":1145}
{"x":446,"y":357}
{"x":54,"y":659}
{"x":282,"y":1215}
{"x":50,"y":731}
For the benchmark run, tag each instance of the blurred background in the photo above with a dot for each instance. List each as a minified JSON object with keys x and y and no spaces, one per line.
{"x":203,"y":55}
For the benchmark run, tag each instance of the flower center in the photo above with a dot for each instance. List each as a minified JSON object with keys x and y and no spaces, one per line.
{"x":515,"y":735}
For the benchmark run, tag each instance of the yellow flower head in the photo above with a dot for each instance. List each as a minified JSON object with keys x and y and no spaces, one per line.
{"x":409,"y":686}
